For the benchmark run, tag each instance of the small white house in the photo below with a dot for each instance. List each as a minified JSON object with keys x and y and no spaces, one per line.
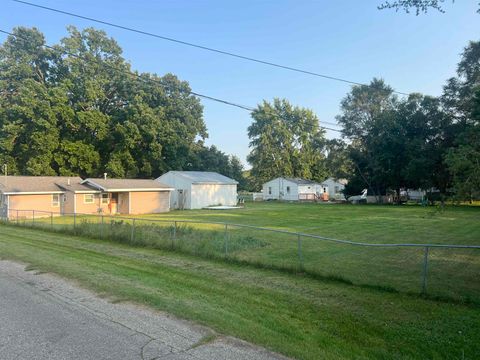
{"x":335,"y":188}
{"x":293,"y":189}
{"x":199,"y":189}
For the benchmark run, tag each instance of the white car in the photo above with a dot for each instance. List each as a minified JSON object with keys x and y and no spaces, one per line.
{"x":358,"y":198}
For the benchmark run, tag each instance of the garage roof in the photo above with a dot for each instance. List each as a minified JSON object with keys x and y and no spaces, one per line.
{"x":205,"y":177}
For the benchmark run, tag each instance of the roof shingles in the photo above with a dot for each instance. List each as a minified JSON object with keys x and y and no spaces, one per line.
{"x":126,"y":184}
{"x":55,"y":184}
{"x":33,"y":184}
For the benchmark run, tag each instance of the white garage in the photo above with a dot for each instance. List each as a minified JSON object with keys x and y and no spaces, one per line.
{"x":199,"y":189}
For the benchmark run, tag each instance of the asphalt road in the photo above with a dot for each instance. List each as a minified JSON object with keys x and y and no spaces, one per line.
{"x":45,"y":317}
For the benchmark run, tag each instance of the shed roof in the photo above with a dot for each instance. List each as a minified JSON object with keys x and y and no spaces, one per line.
{"x":300,"y":181}
{"x":296,"y":180}
{"x":38,"y":184}
{"x":126,"y":184}
{"x":205,"y":177}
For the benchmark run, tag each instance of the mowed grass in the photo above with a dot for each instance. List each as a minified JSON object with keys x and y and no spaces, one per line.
{"x":362,"y":223}
{"x":296,"y":315}
{"x":451,"y":273}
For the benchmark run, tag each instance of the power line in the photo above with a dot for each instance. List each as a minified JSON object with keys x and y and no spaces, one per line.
{"x":330,"y":123}
{"x":206,"y":48}
{"x":226,"y":102}
{"x":139,"y":77}
{"x":328,"y":128}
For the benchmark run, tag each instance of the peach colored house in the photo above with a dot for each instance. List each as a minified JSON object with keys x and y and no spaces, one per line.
{"x":126,"y":196}
{"x":63,"y":195}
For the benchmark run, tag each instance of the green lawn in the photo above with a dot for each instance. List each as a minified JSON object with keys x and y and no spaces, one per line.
{"x":452,"y":273}
{"x":364,"y":223}
{"x":293,"y":314}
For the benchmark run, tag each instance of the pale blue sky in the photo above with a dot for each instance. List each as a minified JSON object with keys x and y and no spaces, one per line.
{"x":348,"y":39}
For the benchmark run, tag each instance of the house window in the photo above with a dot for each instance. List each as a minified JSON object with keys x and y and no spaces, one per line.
{"x":269,"y":191}
{"x":88,"y":199}
{"x":336,"y":189}
{"x":288,"y":189}
{"x":55,"y":200}
{"x":105,"y":198}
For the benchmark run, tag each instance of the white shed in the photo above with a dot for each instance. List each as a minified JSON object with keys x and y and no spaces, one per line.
{"x":292,"y":189}
{"x":199,"y":189}
{"x":335,"y":188}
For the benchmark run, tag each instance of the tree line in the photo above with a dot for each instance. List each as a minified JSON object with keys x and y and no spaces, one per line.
{"x":77,"y":108}
{"x":388,"y":143}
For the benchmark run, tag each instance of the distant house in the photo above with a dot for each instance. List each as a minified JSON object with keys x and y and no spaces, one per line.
{"x":294,"y":189}
{"x":335,"y":188}
{"x":71,"y":194}
{"x":199,"y":189}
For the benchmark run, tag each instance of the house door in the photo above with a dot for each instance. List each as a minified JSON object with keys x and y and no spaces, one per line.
{"x":181,"y":198}
{"x":113,"y":205}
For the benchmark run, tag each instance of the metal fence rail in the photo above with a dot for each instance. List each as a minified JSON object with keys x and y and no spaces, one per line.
{"x":451,"y":271}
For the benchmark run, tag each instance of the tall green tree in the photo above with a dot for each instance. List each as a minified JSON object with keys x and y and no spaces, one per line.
{"x":79,"y":109}
{"x":464,"y":164}
{"x":29,"y":135}
{"x":285,"y":141}
{"x":360,"y":116}
{"x":338,"y":162}
{"x":462,"y":99}
{"x":395,"y":143}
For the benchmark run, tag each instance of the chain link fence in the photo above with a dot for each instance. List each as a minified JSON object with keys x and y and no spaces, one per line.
{"x":439,"y":270}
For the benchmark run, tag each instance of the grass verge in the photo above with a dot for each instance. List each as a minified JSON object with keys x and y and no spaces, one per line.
{"x":452,"y":274}
{"x":295,"y":315}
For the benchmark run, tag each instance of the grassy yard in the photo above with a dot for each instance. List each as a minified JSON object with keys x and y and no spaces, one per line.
{"x":370,"y":223}
{"x":452,"y":273}
{"x":293,"y":314}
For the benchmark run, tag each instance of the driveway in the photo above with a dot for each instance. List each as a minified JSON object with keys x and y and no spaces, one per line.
{"x":45,"y":317}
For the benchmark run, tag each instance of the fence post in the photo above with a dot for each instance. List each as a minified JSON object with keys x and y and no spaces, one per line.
{"x":174,"y":237}
{"x":225,"y":240}
{"x":132,"y":237}
{"x":300,"y":254}
{"x":74,"y":222}
{"x":51,"y":219}
{"x":101,"y":228}
{"x":425,"y":269}
{"x":33,"y":217}
{"x":17,"y":217}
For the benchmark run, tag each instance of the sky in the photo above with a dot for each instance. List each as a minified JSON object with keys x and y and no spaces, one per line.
{"x":347,"y":39}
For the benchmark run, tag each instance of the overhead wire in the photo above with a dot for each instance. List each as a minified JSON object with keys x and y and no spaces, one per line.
{"x":144,"y":79}
{"x":198,"y":46}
